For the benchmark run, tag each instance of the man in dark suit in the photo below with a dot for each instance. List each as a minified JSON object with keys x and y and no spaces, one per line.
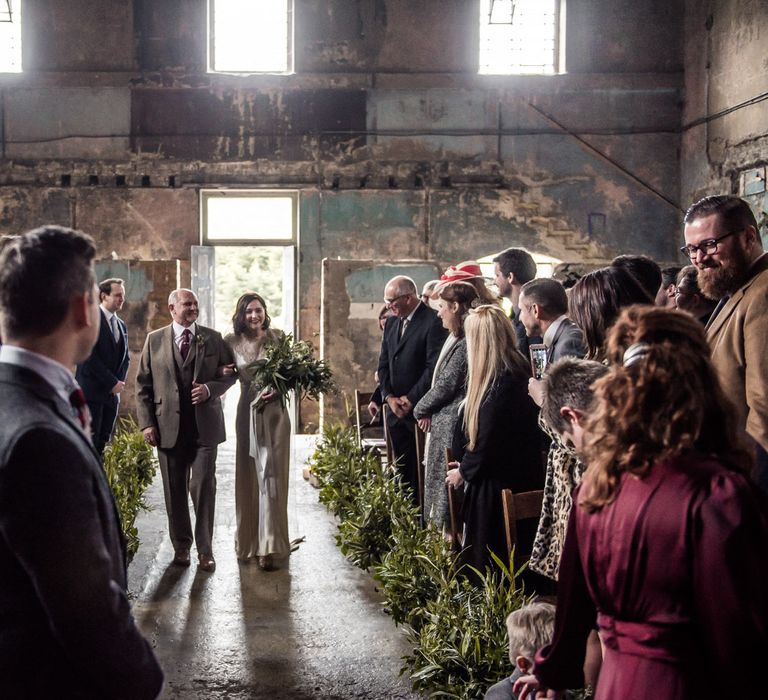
{"x":514,"y":267}
{"x":410,"y":346}
{"x":543,"y":309}
{"x":102,"y":375}
{"x":179,"y":406}
{"x":66,"y":629}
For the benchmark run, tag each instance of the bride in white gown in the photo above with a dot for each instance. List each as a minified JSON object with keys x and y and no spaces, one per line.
{"x":263,"y":443}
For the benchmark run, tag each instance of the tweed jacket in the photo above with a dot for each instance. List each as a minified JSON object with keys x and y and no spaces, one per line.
{"x":67,"y":630}
{"x":737,"y":337}
{"x":441,"y":403}
{"x":157,"y":390}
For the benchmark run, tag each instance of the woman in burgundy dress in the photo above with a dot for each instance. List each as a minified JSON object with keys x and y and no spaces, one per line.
{"x":668,"y":547}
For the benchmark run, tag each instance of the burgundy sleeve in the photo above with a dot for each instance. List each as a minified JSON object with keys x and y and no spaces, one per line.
{"x":730,"y":569}
{"x":560,"y":665}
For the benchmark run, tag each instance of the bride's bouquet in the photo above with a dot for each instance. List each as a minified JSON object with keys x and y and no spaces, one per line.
{"x":290,"y":365}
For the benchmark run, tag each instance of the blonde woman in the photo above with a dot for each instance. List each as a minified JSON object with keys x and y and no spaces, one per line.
{"x":497,"y":441}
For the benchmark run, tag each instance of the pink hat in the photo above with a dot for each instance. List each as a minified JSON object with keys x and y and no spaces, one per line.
{"x":467,"y":270}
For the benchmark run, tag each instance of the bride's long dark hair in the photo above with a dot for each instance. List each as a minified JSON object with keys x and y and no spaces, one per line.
{"x":238,"y":320}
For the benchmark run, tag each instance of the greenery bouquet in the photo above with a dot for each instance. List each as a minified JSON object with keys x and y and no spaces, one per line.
{"x":290,"y":365}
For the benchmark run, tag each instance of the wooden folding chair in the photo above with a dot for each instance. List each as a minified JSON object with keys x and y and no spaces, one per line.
{"x":457,"y":527}
{"x":369,"y":437}
{"x":519,"y":506}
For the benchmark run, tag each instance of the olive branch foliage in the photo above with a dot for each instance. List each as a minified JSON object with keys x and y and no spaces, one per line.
{"x":290,"y":365}
{"x":457,"y":629}
{"x":129,"y":465}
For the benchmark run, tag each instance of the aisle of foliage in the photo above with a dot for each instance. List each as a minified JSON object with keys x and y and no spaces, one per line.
{"x":130,"y":464}
{"x":457,"y":630}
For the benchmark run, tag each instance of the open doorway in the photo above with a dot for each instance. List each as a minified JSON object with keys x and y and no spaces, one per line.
{"x":267,"y":270}
{"x":545,"y":266}
{"x":249,"y":240}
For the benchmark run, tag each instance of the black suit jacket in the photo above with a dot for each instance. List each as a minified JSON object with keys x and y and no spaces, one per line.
{"x":107,"y":364}
{"x":507,"y":454}
{"x":66,"y":629}
{"x":568,"y":342}
{"x":406,"y":364}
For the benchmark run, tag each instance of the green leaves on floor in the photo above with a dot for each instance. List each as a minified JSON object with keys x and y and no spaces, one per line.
{"x":457,"y":629}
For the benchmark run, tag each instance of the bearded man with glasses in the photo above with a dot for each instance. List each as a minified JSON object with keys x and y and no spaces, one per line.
{"x":723,"y":242}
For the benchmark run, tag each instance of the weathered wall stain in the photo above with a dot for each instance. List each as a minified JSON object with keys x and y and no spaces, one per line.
{"x":399,"y":150}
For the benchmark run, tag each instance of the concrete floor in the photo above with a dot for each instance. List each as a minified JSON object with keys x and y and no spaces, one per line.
{"x":314,"y":629}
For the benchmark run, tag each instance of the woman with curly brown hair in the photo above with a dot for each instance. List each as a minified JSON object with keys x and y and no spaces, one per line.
{"x":668,"y":546}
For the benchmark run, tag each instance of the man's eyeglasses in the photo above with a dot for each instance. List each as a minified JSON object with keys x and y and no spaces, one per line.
{"x":708,"y":247}
{"x":389,"y":302}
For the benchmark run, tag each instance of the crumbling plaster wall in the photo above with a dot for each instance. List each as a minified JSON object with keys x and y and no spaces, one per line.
{"x":400,"y":150}
{"x":352,"y":297}
{"x":726,"y":66}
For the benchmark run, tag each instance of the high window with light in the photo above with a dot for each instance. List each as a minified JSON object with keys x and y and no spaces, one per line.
{"x":10,"y":36}
{"x":250,"y":36}
{"x":519,"y":36}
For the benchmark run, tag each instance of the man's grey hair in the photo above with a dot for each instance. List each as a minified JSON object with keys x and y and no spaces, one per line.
{"x":173,"y":297}
{"x":429,"y":287}
{"x":568,"y":382}
{"x":403,"y":284}
{"x":529,"y":629}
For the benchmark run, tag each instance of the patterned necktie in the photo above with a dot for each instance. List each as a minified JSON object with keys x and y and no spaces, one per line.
{"x":77,"y":400}
{"x":403,"y":326}
{"x":184,"y":346}
{"x":113,"y":326}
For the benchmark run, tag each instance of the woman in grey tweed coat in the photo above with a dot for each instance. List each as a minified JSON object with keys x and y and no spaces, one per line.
{"x":438,"y":410}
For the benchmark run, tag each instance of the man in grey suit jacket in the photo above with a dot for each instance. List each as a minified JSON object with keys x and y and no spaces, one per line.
{"x":179,"y":407}
{"x":543,"y":309}
{"x":66,"y":629}
{"x":102,"y":375}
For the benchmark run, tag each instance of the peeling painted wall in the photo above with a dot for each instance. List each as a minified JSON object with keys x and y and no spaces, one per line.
{"x":726,"y":68}
{"x":352,"y":293}
{"x":399,"y":149}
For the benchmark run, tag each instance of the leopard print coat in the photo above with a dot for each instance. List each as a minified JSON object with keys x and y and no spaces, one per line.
{"x":564,"y":472}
